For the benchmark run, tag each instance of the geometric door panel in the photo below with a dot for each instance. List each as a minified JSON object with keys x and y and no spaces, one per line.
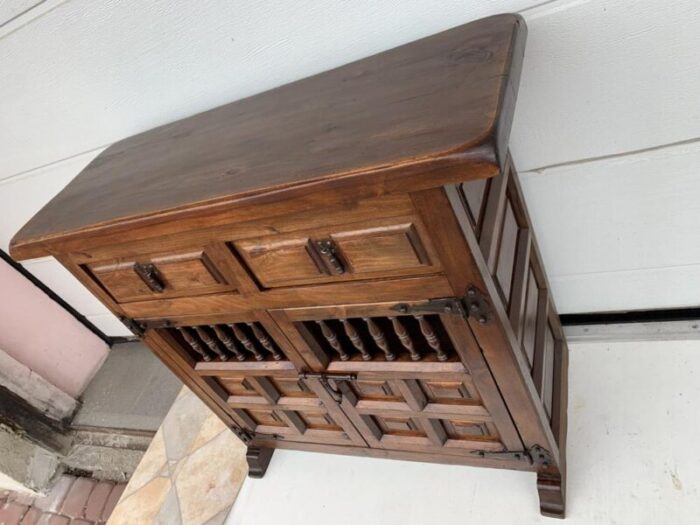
{"x":408,"y":382}
{"x":440,"y":414}
{"x":287,"y":407}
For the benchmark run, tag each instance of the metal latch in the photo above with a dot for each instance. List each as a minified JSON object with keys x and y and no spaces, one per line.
{"x":474,"y":304}
{"x":329,"y":382}
{"x":536,"y":456}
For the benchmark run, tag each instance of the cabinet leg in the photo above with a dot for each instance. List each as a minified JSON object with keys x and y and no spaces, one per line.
{"x":551,"y":487}
{"x":258,"y":459}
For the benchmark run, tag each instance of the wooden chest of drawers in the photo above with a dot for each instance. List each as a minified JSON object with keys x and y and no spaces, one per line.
{"x":343,"y":264}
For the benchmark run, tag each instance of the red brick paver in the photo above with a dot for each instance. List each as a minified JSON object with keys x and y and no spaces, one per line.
{"x":53,"y":519}
{"x":97,"y":500}
{"x":31,"y":517}
{"x":72,"y":501}
{"x":112,"y":500}
{"x":77,"y":497}
{"x":11,"y":513}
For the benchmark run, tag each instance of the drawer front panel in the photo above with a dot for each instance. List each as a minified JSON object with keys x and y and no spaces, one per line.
{"x":384,"y":248}
{"x":164,"y":275}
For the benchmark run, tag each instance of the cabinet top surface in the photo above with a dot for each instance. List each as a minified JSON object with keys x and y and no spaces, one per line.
{"x":434,"y":99}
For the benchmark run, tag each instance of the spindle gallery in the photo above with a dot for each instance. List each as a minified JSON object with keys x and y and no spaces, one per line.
{"x":343,"y":265}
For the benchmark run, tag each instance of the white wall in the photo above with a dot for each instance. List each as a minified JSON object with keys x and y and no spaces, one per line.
{"x":607,"y":116}
{"x":633,"y":433}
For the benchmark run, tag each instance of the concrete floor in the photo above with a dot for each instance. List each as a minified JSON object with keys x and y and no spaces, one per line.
{"x":133,"y":390}
{"x":633,"y":437}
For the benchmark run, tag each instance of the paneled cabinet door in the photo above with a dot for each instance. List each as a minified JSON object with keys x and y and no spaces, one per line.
{"x":249,"y":369}
{"x":406,"y":382}
{"x":283,"y":406}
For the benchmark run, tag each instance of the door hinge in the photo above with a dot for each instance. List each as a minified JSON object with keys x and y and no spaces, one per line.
{"x":242,"y":434}
{"x":247,"y":436}
{"x":138,"y":329}
{"x":473,"y":304}
{"x":536,"y":456}
{"x":329,"y":382}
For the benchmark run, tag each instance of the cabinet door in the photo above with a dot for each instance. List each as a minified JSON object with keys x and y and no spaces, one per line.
{"x":417,"y":383}
{"x":249,"y":368}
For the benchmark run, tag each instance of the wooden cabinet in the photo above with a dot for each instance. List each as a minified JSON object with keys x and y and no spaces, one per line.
{"x":343,"y":265}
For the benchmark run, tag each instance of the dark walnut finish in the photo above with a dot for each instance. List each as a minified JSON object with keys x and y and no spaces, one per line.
{"x":343,"y":264}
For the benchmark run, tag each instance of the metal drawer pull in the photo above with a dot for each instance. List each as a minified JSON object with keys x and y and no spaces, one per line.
{"x":149,"y":274}
{"x":326,"y":248}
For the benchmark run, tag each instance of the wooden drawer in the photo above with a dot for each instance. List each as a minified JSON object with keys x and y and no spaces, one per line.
{"x":391,"y":247}
{"x":176,"y":273}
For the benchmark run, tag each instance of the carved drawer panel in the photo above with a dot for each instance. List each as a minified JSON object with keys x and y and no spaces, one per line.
{"x":164,"y":275}
{"x":382,"y":248}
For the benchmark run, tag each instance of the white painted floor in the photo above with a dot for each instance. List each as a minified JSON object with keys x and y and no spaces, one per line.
{"x":633,"y":459}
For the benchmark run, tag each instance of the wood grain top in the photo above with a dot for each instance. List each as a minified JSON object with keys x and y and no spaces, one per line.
{"x":449,"y":96}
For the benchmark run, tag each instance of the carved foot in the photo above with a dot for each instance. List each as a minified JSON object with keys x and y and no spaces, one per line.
{"x":258,"y":460}
{"x":552,"y":491}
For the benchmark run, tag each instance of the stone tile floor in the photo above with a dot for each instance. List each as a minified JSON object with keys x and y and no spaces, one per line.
{"x":190,"y":474}
{"x":72,"y":501}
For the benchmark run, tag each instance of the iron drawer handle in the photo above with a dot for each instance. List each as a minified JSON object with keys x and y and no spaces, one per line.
{"x":327,"y":249}
{"x":149,"y":274}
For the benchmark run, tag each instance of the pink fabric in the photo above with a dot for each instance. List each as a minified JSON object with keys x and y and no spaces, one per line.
{"x":39,"y":333}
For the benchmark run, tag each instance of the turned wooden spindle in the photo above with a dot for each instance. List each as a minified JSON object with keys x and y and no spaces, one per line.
{"x":211,"y":343}
{"x":431,"y":337}
{"x":378,"y":337}
{"x":194,"y":344}
{"x":247,"y":343}
{"x":265,"y":341}
{"x":355,"y":339}
{"x":332,"y":339}
{"x":228,"y":343}
{"x":405,"y":339}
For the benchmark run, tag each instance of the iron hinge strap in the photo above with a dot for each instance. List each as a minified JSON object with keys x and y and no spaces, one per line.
{"x":474,"y":304}
{"x":247,"y":436}
{"x":536,"y":455}
{"x":138,"y":329}
{"x":329,"y":382}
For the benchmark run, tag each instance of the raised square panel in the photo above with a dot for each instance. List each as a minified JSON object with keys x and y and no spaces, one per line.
{"x":277,"y":260}
{"x":376,"y":391}
{"x":399,"y":426}
{"x":457,"y":429}
{"x":160,"y":276}
{"x":318,"y":420}
{"x":237,"y":386}
{"x":292,"y":387}
{"x":265,"y":417}
{"x":445,"y":391}
{"x":381,"y":249}
{"x":188,"y":271}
